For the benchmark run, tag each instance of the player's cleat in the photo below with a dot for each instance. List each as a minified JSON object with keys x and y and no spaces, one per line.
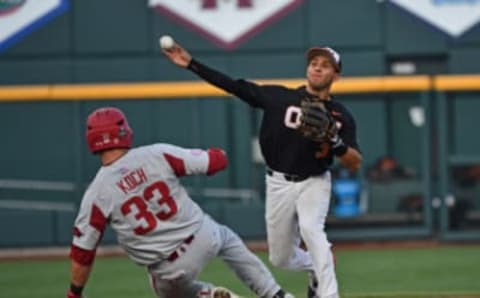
{"x":312,"y":285}
{"x":281,"y":294}
{"x":220,"y":292}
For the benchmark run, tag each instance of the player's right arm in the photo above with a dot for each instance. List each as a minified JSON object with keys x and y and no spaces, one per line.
{"x":345,"y":146}
{"x":88,"y":230}
{"x":248,"y":91}
{"x":184,"y":162}
{"x":79,"y":275}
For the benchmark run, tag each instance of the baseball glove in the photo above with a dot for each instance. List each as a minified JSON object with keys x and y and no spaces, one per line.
{"x":316,"y":123}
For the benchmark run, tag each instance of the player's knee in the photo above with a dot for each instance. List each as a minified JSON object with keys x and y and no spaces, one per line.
{"x":279,"y":260}
{"x":310,"y":230}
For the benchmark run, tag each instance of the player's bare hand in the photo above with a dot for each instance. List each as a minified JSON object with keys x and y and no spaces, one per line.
{"x":178,"y":55}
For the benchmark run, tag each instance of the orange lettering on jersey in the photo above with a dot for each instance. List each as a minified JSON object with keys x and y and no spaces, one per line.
{"x":132,"y":180}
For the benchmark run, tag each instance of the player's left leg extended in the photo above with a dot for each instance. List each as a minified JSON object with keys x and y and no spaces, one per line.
{"x":248,"y":267}
{"x":312,"y":207}
{"x":177,"y":277}
{"x":282,"y":225}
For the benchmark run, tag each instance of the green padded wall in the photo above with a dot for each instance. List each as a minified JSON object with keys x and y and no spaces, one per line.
{"x":363,"y":63}
{"x":37,"y":71}
{"x":135,"y":69}
{"x":408,"y":35}
{"x":248,"y":220}
{"x":345,"y":24}
{"x":39,"y":141}
{"x":465,"y":115}
{"x":240,"y":151}
{"x":111,"y":26}
{"x":64,"y":223}
{"x":268,"y":65}
{"x":465,"y":60}
{"x":163,"y":70}
{"x":405,"y":137}
{"x":27,"y":227}
{"x":372,"y":133}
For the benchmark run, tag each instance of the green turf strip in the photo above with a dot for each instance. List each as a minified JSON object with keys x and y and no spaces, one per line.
{"x":403,"y":273}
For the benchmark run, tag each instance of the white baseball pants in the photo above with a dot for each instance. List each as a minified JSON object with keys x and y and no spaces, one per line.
{"x":178,"y":278}
{"x":295,"y":211}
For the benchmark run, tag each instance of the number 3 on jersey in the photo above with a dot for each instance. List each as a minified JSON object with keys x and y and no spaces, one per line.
{"x":137,"y":210}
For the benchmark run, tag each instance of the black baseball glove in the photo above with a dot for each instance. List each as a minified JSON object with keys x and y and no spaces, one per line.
{"x":316,"y":123}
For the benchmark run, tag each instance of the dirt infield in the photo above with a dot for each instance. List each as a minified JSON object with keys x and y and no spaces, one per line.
{"x":44,"y":253}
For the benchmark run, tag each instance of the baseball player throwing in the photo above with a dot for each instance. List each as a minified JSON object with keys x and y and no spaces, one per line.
{"x":298,"y":141}
{"x":137,"y":191}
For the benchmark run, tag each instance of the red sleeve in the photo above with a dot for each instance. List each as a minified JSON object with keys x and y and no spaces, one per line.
{"x":82,"y":256}
{"x":217,"y":160}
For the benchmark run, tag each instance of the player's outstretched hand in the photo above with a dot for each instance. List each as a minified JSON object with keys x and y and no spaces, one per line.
{"x":178,"y":55}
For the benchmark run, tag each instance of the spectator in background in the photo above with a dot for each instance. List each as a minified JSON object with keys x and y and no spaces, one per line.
{"x":386,"y":168}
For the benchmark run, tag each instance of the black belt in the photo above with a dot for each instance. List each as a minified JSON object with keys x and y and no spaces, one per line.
{"x":289,"y":177}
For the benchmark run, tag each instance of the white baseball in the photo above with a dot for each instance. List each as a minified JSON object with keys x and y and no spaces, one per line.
{"x":166,"y":42}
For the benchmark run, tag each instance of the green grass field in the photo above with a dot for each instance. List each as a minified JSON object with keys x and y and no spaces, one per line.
{"x":433,"y":272}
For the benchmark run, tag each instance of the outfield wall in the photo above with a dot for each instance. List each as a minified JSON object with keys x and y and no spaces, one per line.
{"x":41,"y":202}
{"x":49,"y":83}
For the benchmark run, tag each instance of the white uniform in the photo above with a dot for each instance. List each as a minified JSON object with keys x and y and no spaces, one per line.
{"x":160,"y":226}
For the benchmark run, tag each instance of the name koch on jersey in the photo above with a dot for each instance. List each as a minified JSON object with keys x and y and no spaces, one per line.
{"x":132,"y":180}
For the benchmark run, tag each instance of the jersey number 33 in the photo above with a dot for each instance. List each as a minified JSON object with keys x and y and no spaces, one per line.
{"x":137,"y":210}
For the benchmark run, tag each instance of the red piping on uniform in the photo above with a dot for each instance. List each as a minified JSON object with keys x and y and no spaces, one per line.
{"x":177,"y":164}
{"x":97,"y":219}
{"x":77,"y":232}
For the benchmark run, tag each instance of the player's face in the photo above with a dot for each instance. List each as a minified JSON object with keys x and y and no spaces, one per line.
{"x":321,"y":73}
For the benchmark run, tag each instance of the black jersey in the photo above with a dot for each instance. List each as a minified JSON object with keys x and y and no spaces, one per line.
{"x":284,"y":149}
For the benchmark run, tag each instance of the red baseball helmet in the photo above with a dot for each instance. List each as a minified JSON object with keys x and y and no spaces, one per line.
{"x":107,"y":128}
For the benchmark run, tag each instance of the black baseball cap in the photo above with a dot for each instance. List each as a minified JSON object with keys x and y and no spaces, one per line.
{"x":330,"y":53}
